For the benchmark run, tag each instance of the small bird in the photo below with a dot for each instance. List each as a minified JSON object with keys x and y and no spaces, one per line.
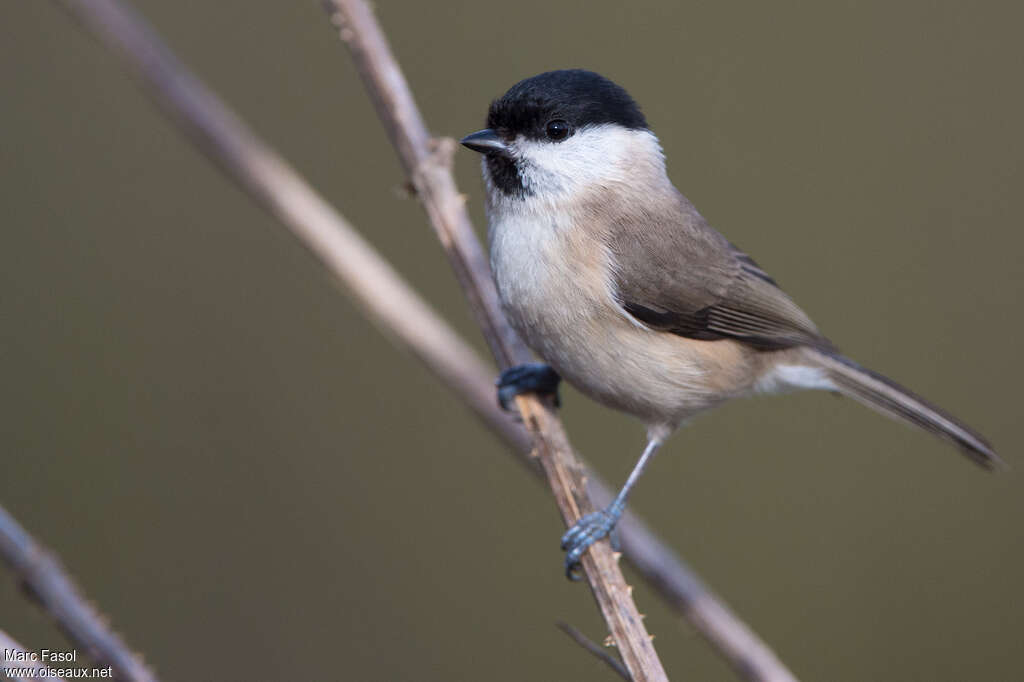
{"x":615,"y":280}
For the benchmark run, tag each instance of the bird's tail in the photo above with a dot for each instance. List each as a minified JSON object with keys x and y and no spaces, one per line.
{"x":886,"y":396}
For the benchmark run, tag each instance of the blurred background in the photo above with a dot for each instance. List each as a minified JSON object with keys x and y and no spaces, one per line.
{"x":255,"y":485}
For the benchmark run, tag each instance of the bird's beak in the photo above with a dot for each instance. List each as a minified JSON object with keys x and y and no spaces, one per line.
{"x":485,"y":141}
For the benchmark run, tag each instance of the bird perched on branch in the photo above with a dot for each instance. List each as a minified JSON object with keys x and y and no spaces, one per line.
{"x":616,"y":281}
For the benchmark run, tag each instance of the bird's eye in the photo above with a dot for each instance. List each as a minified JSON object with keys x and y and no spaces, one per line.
{"x":557,"y":130}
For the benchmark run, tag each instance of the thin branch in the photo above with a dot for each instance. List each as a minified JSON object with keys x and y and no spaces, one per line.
{"x":601,"y":655}
{"x":428,"y":165}
{"x":427,"y":162}
{"x":47,"y":581}
{"x":392,"y":304}
{"x":12,"y":668}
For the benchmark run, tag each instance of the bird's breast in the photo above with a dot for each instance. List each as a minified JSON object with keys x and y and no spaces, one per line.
{"x":555,"y":284}
{"x":551,"y":276}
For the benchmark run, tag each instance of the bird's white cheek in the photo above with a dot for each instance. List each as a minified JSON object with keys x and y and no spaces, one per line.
{"x":595,"y":156}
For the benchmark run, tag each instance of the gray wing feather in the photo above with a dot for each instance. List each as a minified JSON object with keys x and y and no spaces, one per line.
{"x":677,"y":274}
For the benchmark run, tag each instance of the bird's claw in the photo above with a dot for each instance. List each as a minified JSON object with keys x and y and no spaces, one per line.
{"x":585,"y":532}
{"x":533,"y":377}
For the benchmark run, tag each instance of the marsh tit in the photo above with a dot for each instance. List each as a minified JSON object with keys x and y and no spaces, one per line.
{"x":617,"y":282}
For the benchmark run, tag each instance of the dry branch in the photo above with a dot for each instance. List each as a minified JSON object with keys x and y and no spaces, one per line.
{"x":391,"y":304}
{"x":46,"y":580}
{"x":428,"y":165}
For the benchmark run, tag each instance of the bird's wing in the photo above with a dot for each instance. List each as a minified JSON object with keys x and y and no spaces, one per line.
{"x":675,"y":273}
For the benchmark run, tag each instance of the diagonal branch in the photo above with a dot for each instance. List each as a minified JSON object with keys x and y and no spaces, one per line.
{"x":428,"y":165}
{"x":46,"y":580}
{"x":392,"y":304}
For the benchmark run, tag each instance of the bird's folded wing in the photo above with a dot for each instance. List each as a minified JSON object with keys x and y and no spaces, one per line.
{"x":677,"y":274}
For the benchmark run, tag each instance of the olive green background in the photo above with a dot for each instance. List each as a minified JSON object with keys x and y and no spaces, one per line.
{"x":254,"y":484}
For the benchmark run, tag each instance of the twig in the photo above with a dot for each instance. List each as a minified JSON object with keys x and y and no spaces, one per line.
{"x":11,"y":667}
{"x":427,"y":162}
{"x":597,"y":651}
{"x":429,"y":168}
{"x":392,"y":304}
{"x":46,"y":580}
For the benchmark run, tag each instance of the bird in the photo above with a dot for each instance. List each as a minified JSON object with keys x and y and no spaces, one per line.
{"x":622,"y":288}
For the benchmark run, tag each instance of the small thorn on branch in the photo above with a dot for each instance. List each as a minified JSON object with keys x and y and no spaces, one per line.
{"x":443,"y":149}
{"x":405,"y":190}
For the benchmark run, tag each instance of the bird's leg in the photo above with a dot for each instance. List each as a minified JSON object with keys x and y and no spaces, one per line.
{"x":532,"y":377}
{"x":597,"y":525}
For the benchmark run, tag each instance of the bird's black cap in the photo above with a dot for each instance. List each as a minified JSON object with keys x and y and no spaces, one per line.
{"x":576,"y":96}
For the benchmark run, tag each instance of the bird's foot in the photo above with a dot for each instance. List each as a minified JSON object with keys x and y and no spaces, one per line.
{"x":586,"y":532}
{"x":532,"y":377}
